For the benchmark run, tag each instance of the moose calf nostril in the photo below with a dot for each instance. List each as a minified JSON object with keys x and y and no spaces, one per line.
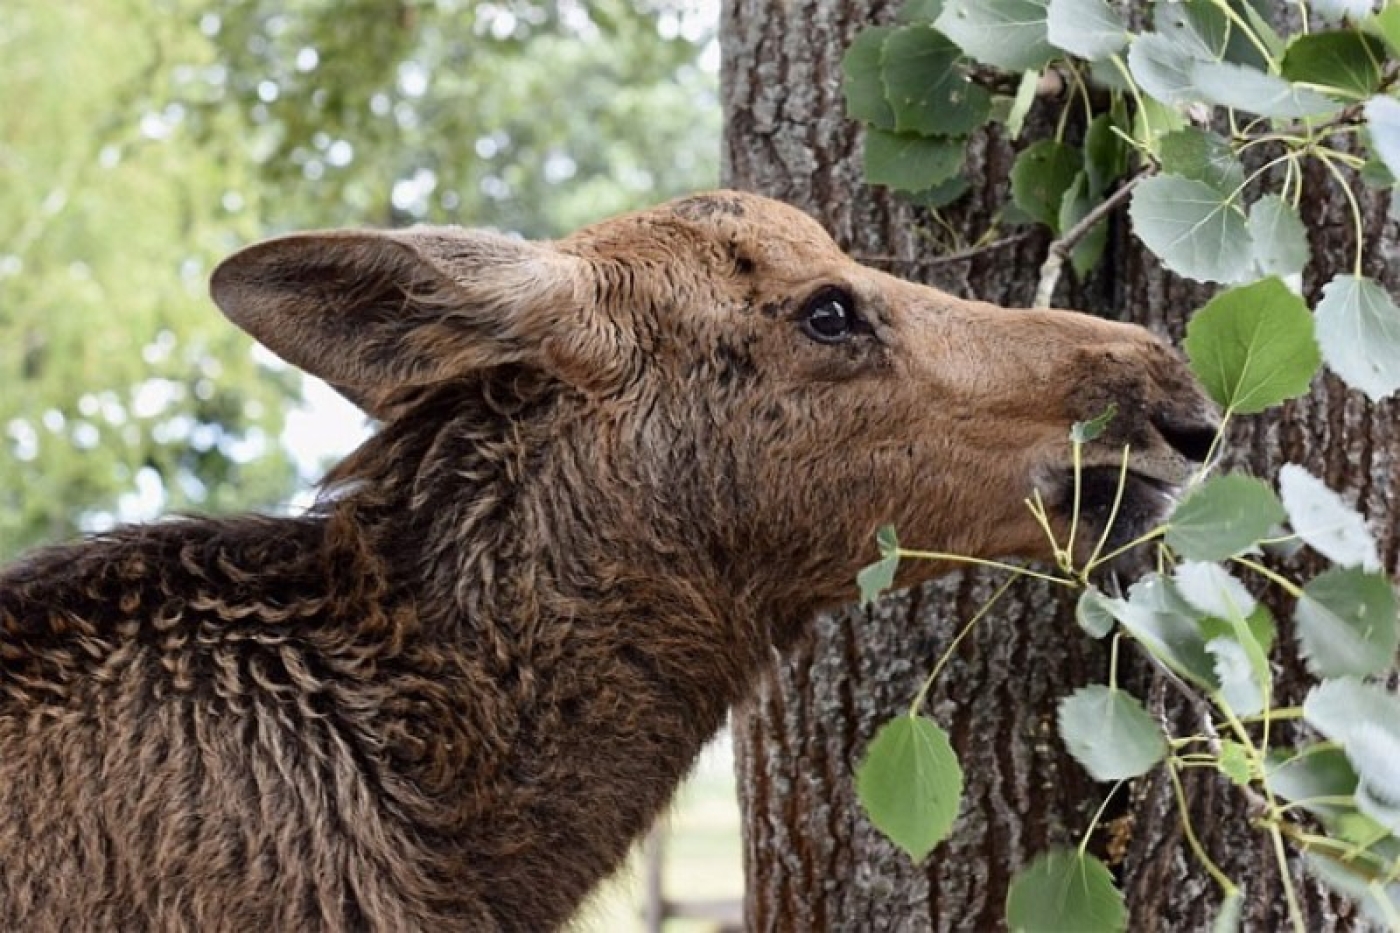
{"x":1192,"y":441}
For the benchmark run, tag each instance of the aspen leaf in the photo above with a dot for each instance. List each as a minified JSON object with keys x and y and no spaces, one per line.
{"x":910,"y":784}
{"x":1065,"y":890}
{"x":1109,"y":733}
{"x":1196,"y":230}
{"x":1222,"y":517}
{"x":1253,"y":347}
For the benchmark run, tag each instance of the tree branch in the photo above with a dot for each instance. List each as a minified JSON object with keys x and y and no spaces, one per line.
{"x":1060,"y":249}
{"x":962,"y":255}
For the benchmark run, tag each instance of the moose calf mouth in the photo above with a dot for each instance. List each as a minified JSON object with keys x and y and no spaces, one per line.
{"x":1145,"y":501}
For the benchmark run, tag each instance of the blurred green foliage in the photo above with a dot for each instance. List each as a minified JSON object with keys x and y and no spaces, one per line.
{"x":141,"y":140}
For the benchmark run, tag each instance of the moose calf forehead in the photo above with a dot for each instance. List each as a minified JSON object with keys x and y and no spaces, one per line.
{"x":725,"y":232}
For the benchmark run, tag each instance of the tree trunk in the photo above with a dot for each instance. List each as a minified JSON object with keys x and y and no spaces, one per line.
{"x":812,"y":861}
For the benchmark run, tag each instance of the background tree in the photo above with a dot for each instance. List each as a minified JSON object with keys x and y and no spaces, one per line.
{"x":143,"y":141}
{"x":812,"y":860}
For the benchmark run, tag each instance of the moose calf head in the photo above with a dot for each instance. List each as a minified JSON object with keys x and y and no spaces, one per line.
{"x":733,"y":386}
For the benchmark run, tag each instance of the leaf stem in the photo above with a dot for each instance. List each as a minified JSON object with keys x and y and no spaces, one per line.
{"x":1357,"y":226}
{"x":1077,"y":455}
{"x":1244,"y":27}
{"x":917,"y":706}
{"x":1037,"y":508}
{"x":1112,"y":512}
{"x":1275,"y":715}
{"x":1098,"y":815}
{"x":1226,"y":885}
{"x":994,"y":564}
{"x":1127,"y":76}
{"x":1136,"y":542}
{"x":1209,"y":462}
{"x":1295,"y":910}
{"x":1382,"y":899}
{"x":1267,"y":166}
{"x":1287,"y":585}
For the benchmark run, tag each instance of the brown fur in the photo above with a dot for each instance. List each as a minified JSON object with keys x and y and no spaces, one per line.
{"x":613,"y":473}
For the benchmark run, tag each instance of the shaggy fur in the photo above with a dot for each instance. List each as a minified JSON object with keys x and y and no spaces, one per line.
{"x":613,"y":473}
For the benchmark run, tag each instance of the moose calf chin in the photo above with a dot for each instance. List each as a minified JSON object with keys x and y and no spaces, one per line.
{"x":613,"y":472}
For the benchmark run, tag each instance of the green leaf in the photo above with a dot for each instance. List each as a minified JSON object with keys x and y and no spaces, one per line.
{"x":1021,"y":104}
{"x":1335,"y":707}
{"x":876,"y":578}
{"x":941,"y":194}
{"x":1383,"y":121}
{"x":1077,"y":204}
{"x":1375,"y":175}
{"x":1203,"y":30}
{"x":887,"y":541}
{"x":1241,"y":687}
{"x":906,"y":162}
{"x":1346,"y":880}
{"x":1346,"y":623}
{"x":1253,"y":91}
{"x":910,"y":784}
{"x":1162,"y":68}
{"x":1105,"y":154}
{"x":1153,"y":120}
{"x":1231,"y":910}
{"x":1194,"y":229}
{"x":1082,"y":432}
{"x":1358,"y":327}
{"x":1325,"y":521}
{"x":1365,"y":720}
{"x":1356,"y":828}
{"x":1222,"y":517}
{"x":1009,"y":34}
{"x":1165,"y":624}
{"x":1374,"y":750}
{"x":1087,"y":28}
{"x":1253,"y":347}
{"x":1093,"y":613}
{"x":864,"y":87}
{"x":1041,"y":176}
{"x":1337,"y":9}
{"x":1279,"y":238}
{"x":1109,"y":733}
{"x":1065,"y":890}
{"x":925,"y":85}
{"x":920,"y":11}
{"x":1234,"y":763}
{"x":1345,"y":62}
{"x":1259,"y":629}
{"x":1197,"y":27}
{"x":1212,"y":590}
{"x":1387,"y":23}
{"x":1201,"y":155}
{"x":1262,"y":28}
{"x":1315,"y":772}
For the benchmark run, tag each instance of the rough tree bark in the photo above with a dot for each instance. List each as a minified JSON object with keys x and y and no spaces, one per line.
{"x":812,"y":861}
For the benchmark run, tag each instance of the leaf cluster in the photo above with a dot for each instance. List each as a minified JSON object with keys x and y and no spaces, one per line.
{"x":1178,"y":110}
{"x":1173,"y":113}
{"x":1336,"y":798}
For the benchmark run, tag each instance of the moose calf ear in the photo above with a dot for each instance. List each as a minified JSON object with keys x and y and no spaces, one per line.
{"x":372,"y":312}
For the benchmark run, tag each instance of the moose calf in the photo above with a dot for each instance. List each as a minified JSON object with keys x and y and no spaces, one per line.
{"x":613,"y":472}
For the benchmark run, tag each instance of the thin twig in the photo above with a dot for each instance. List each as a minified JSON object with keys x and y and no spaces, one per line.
{"x":1258,"y":804}
{"x":1060,"y":249}
{"x":960,"y":256}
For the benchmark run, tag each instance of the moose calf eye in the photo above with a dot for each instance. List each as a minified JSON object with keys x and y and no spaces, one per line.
{"x":830,"y":317}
